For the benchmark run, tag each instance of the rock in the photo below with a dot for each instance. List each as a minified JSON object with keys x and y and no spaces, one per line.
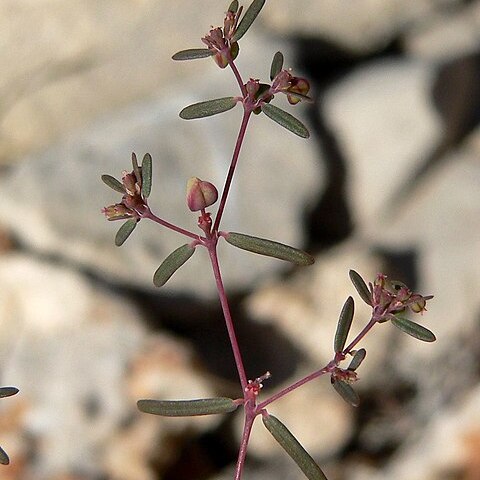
{"x":81,"y":359}
{"x":67,"y":63}
{"x":447,"y":35}
{"x":361,"y":27}
{"x":385,"y":126}
{"x":449,"y":443}
{"x":51,"y":198}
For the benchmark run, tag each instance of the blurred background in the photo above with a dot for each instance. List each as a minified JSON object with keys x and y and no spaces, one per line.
{"x":389,"y":181}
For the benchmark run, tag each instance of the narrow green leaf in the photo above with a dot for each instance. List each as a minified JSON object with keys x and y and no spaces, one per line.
{"x":250,"y":15}
{"x":136,"y":168}
{"x":208,"y":108}
{"x":358,"y":358}
{"x":125,"y":231}
{"x":187,"y":408}
{"x":344,"y":324}
{"x":269,"y":248}
{"x":414,"y":329}
{"x":277,"y":65}
{"x":293,"y":448}
{"x":8,"y":391}
{"x":346,"y":391}
{"x":4,"y":460}
{"x":285,"y":120}
{"x":192,"y":54}
{"x":113,"y":183}
{"x":233,"y":6}
{"x":361,"y":287}
{"x":171,"y":264}
{"x":146,"y":175}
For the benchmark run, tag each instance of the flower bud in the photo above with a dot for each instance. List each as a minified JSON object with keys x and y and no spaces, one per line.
{"x":200,"y":194}
{"x":418,"y":303}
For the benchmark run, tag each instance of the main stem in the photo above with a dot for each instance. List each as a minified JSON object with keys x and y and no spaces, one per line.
{"x":231,"y":171}
{"x":212,"y":251}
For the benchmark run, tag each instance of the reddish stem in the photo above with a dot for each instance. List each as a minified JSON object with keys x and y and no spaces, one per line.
{"x":151,"y":216}
{"x":242,"y":453}
{"x":212,"y":251}
{"x":231,"y":171}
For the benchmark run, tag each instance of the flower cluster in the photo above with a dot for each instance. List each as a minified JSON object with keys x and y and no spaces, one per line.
{"x":219,"y":41}
{"x":296,"y":88}
{"x":134,"y":202}
{"x":390,"y":297}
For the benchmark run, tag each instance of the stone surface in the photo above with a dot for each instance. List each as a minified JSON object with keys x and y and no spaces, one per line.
{"x":361,"y":26}
{"x":385,"y":125}
{"x":446,"y":448}
{"x":81,"y":359}
{"x":68,"y":62}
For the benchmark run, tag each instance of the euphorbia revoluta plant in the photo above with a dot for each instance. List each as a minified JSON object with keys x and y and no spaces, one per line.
{"x":389,"y":300}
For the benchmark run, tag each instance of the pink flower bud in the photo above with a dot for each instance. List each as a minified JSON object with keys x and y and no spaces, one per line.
{"x":200,"y":194}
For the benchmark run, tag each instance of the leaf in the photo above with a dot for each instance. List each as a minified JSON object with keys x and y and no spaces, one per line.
{"x":233,"y":6}
{"x":125,"y":231}
{"x":193,"y":54}
{"x":4,"y":460}
{"x":171,"y":264}
{"x":250,"y":15}
{"x":346,"y":391}
{"x":285,"y":120}
{"x":208,"y":108}
{"x":187,"y":408}
{"x":8,"y":391}
{"x":136,"y":168}
{"x":358,"y":358}
{"x":414,"y":329}
{"x":277,"y":65}
{"x":146,"y":175}
{"x":344,"y":324}
{"x":113,"y":183}
{"x":293,"y":448}
{"x":269,"y":248}
{"x":361,"y":287}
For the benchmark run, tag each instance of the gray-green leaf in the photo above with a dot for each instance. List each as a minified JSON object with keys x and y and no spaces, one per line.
{"x":233,"y":6}
{"x":8,"y":391}
{"x":285,"y":120}
{"x":4,"y":460}
{"x":247,"y":20}
{"x":193,"y":54}
{"x":344,"y":324}
{"x":171,"y":264}
{"x":414,"y":329}
{"x":293,"y":448}
{"x":357,"y":359}
{"x":208,"y":108}
{"x":125,"y":231}
{"x":146,"y":175}
{"x":113,"y":183}
{"x":187,"y":408}
{"x":269,"y":248}
{"x":277,"y":65}
{"x":361,"y":287}
{"x":346,"y":391}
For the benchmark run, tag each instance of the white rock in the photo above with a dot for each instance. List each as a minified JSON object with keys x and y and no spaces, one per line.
{"x":385,"y":126}
{"x":449,"y":443}
{"x":360,"y":26}
{"x":67,"y":62}
{"x":66,"y":345}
